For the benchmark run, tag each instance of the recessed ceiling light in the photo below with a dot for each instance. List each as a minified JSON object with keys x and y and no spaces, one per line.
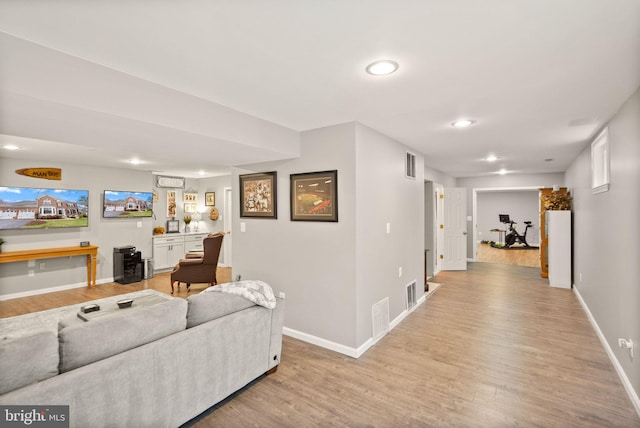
{"x":10,"y":147}
{"x":383,"y":67}
{"x":135,"y":161}
{"x":502,"y":171}
{"x":201,"y":172}
{"x":491,"y":158}
{"x":463,"y":123}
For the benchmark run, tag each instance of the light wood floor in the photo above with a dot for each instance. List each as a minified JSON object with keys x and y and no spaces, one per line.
{"x":495,"y":346}
{"x":489,"y":254}
{"x":160,"y":282}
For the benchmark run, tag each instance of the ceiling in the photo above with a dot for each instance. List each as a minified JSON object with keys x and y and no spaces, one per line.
{"x":539,"y":77}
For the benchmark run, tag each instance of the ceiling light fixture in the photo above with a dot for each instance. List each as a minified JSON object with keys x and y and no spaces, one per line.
{"x":491,"y":158}
{"x":502,"y":171}
{"x":10,"y":147}
{"x":382,"y":68}
{"x":135,"y":161}
{"x":201,"y":172}
{"x":462,"y":123}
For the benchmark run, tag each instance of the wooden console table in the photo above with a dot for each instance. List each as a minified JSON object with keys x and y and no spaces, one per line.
{"x":90,"y":251}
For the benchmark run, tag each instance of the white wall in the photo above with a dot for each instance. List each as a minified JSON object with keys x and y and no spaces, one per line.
{"x":606,"y":245}
{"x":332,"y":273}
{"x":312,"y":262}
{"x":384,"y":195}
{"x":103,"y":232}
{"x":501,"y":182}
{"x":521,"y":205}
{"x":200,"y":185}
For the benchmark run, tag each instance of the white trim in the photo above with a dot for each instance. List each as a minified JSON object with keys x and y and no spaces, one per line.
{"x":50,"y":289}
{"x":360,"y":350}
{"x":600,"y":163}
{"x":633,"y":396}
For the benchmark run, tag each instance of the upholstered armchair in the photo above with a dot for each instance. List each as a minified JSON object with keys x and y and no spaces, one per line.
{"x":201,"y":269}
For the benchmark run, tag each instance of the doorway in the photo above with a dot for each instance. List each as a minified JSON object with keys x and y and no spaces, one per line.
{"x":521,"y":204}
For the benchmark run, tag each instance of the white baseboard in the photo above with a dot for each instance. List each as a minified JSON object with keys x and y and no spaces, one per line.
{"x":633,"y":396}
{"x":50,"y":289}
{"x":360,"y":350}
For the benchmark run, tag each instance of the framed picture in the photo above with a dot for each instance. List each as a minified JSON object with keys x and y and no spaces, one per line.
{"x":210,"y":199}
{"x":314,"y":196}
{"x":171,"y":203}
{"x":173,"y":226}
{"x":258,"y":196}
{"x":190,"y":197}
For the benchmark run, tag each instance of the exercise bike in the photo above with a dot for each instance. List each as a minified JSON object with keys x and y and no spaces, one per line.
{"x":513,"y":236}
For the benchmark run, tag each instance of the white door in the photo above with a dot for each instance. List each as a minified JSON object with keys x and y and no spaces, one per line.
{"x":227,"y":220}
{"x":455,"y":229}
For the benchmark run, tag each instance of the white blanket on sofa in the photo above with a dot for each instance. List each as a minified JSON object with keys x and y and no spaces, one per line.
{"x":259,"y":292}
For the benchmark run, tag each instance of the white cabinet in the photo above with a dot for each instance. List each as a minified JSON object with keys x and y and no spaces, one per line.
{"x":167,"y":251}
{"x":558,"y":225}
{"x":194,"y":242}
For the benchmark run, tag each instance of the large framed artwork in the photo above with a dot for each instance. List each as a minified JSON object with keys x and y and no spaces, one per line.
{"x":314,"y":196}
{"x":258,"y":195}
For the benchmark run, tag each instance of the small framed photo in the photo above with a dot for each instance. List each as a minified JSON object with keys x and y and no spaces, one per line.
{"x":258,"y":195}
{"x":210,"y":199}
{"x":173,"y":226}
{"x":314,"y":196}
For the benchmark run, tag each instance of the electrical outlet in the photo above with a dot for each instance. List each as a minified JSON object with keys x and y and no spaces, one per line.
{"x":42,"y":265}
{"x":281,"y":295}
{"x":139,"y":225}
{"x":400,"y":272}
{"x":626,"y":344}
{"x":32,"y":273}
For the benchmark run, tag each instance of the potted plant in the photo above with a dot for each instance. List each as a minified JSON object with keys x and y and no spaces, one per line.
{"x":187,"y":220}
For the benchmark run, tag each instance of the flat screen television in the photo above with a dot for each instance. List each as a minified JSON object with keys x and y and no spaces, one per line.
{"x":119,"y":204}
{"x":38,"y":208}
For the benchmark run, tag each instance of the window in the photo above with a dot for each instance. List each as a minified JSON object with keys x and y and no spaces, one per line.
{"x":600,"y":163}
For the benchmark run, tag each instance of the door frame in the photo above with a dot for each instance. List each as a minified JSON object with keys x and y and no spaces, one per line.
{"x":475,"y":209}
{"x":227,"y":223}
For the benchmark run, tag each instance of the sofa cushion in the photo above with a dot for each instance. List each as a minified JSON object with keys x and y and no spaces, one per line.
{"x":205,"y":307}
{"x":27,"y":359}
{"x":82,"y":344}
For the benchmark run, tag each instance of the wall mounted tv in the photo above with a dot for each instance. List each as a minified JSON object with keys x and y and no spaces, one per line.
{"x":37,"y":208}
{"x":118,"y":204}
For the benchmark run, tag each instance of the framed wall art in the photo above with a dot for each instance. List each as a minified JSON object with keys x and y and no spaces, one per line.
{"x":210,"y":199}
{"x":258,"y":195}
{"x":314,"y":196}
{"x":171,"y":203}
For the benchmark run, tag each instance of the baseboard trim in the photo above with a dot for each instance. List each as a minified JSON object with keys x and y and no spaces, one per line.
{"x":50,"y":289}
{"x":360,"y":350}
{"x":633,"y":396}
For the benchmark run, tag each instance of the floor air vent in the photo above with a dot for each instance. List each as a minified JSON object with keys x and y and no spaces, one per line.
{"x":411,"y":295}
{"x":380,"y":318}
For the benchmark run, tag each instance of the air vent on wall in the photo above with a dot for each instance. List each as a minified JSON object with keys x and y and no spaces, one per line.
{"x":380,"y":318}
{"x":410,"y":165}
{"x":411,"y":295}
